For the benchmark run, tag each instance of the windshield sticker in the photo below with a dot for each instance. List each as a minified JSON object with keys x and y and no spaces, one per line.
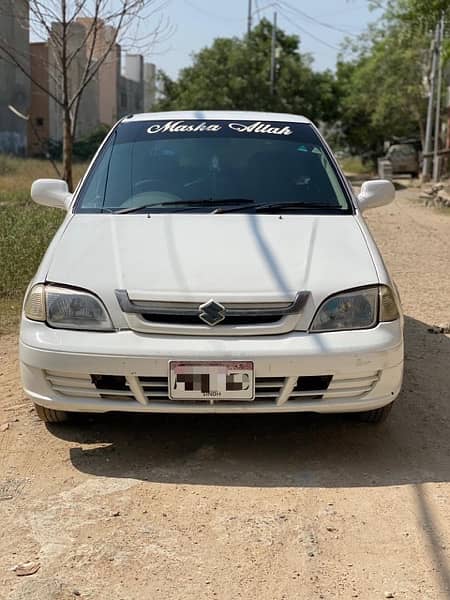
{"x":260,"y":127}
{"x":184,"y":127}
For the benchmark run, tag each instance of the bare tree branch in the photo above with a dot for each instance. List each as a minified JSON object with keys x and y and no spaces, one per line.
{"x":77,"y":49}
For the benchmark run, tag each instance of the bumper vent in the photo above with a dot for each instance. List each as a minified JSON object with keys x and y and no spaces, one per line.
{"x":332,"y":387}
{"x":148,"y":390}
{"x":267,"y":389}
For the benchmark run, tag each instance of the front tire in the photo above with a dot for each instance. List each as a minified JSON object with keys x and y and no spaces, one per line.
{"x":48,"y":415}
{"x":378,"y":415}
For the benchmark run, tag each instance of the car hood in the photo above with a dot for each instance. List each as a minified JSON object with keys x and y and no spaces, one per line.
{"x":236,"y":257}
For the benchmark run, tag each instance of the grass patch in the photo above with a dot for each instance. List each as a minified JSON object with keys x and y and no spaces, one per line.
{"x":7,"y":165}
{"x":352,"y":165}
{"x":25,"y":231}
{"x":17,"y":174}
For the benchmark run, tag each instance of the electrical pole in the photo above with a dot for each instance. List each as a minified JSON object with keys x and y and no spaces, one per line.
{"x":273,"y":54}
{"x":249,"y":17}
{"x":427,"y":146}
{"x":437,"y":122}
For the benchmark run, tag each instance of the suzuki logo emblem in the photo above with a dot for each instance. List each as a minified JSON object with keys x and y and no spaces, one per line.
{"x":211,"y":312}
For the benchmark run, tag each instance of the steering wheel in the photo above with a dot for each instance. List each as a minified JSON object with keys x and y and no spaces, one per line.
{"x":153,"y":183}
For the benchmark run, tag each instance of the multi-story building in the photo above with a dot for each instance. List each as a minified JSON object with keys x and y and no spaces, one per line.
{"x":149,"y":86}
{"x":111,"y":94}
{"x":14,"y":84}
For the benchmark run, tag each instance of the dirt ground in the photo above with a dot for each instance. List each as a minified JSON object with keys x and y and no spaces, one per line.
{"x":226,"y":507}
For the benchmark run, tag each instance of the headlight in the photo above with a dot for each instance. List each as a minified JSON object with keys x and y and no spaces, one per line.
{"x":65,"y":308}
{"x":356,"y":309}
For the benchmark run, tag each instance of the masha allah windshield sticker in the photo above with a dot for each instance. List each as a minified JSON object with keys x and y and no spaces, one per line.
{"x":205,"y":126}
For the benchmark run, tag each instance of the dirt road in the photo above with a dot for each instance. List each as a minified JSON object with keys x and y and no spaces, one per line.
{"x":292,"y":507}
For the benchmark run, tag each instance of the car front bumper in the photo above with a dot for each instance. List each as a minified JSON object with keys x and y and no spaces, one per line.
{"x":56,"y":366}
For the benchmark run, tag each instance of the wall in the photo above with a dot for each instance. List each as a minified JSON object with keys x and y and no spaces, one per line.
{"x":109,"y":96}
{"x":88,"y":112}
{"x":149,"y":86}
{"x":38,"y":125}
{"x":109,"y":71}
{"x":132,"y":86}
{"x":14,"y":86}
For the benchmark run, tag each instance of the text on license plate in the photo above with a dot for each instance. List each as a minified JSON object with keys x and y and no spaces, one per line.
{"x":227,"y":380}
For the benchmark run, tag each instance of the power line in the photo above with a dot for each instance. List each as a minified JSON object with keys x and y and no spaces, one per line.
{"x":257,"y":10}
{"x":288,"y":6}
{"x":306,"y":32}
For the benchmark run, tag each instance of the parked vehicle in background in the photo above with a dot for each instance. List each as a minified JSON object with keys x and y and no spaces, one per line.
{"x":404,"y":159}
{"x":212,"y":262}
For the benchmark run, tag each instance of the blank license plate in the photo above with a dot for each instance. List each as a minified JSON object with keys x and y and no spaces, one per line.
{"x":227,"y":380}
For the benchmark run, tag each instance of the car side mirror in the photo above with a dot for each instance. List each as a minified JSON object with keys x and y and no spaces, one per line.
{"x":51,"y":192}
{"x":376,"y":192}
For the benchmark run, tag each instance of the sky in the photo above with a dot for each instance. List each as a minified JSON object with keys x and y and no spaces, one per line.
{"x":197,"y":22}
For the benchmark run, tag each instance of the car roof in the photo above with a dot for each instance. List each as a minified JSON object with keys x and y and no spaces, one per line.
{"x":217,"y":115}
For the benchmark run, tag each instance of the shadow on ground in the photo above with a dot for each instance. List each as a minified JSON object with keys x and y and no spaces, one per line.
{"x":305,"y":450}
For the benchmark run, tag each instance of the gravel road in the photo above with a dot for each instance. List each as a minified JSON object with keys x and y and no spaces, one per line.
{"x":227,"y":507}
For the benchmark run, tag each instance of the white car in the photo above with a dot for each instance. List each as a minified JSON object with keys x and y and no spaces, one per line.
{"x":212,"y":262}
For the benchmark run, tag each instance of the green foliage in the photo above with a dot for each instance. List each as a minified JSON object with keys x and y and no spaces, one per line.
{"x":84,"y":148}
{"x":382,"y":87}
{"x":234,"y":74}
{"x":419,"y":15}
{"x":26,"y":229}
{"x":352,"y":165}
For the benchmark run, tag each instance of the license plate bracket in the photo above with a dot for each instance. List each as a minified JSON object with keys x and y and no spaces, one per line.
{"x":211,"y":380}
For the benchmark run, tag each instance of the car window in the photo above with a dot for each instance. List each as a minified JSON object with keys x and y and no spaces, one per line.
{"x":92,"y":192}
{"x":162,"y":162}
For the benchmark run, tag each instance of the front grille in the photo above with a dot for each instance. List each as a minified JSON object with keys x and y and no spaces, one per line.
{"x":150,"y":390}
{"x":184,"y":320}
{"x":184,"y":317}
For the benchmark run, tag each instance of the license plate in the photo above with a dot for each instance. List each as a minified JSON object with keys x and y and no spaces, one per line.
{"x":227,"y":380}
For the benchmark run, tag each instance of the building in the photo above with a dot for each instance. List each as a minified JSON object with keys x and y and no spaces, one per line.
{"x":111,"y":94}
{"x":39,"y":122}
{"x":149,"y":86}
{"x":132,"y":86}
{"x":15,"y":86}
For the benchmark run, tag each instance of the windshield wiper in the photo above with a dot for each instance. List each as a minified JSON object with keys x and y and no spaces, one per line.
{"x":187,"y":204}
{"x":270,"y":205}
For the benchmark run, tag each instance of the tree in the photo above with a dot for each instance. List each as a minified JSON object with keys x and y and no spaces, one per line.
{"x":234,"y":74}
{"x":383,"y":87}
{"x":77,"y":52}
{"x":418,"y":15}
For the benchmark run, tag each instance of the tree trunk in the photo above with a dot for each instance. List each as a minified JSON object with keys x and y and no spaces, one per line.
{"x":67,"y":150}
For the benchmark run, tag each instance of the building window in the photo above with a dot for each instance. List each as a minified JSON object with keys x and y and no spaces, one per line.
{"x":40,"y":121}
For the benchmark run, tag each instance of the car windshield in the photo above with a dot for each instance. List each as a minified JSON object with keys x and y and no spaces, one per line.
{"x":213,"y":166}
